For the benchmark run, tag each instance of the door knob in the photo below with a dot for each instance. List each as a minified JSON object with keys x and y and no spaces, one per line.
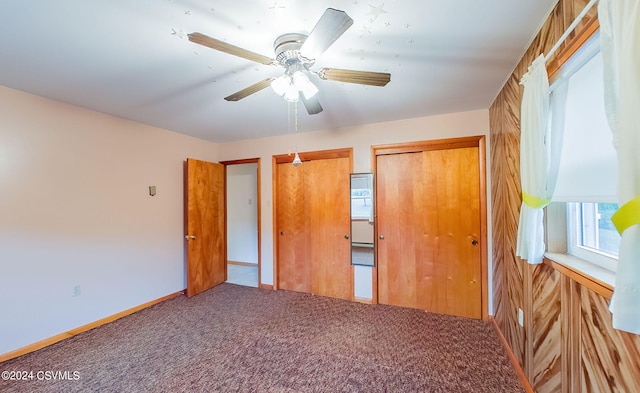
{"x":474,"y":242}
{"x":381,"y":237}
{"x":190,"y":237}
{"x":281,"y":233}
{"x":346,"y":236}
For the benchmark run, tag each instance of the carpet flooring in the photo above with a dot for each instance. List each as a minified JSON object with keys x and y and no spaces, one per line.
{"x":241,"y":339}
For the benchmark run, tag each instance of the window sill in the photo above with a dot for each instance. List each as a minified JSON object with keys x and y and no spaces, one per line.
{"x":600,"y":280}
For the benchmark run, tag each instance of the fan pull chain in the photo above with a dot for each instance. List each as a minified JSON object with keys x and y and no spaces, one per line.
{"x":289,"y":122}
{"x":296,"y":158}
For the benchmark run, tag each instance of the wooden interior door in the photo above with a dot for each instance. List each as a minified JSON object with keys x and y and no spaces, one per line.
{"x":205,"y":235}
{"x":429,"y":227}
{"x":328,"y":183}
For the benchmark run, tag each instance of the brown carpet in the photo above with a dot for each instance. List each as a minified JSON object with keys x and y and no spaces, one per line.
{"x":241,"y":339}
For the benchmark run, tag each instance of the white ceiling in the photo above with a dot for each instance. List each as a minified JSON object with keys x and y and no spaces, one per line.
{"x":132,"y":59}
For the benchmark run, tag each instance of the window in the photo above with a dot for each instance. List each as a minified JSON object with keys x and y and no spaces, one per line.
{"x":592,"y":235}
{"x":587,"y":178}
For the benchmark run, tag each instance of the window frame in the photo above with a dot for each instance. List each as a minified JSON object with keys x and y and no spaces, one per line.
{"x":574,"y":243}
{"x":556,"y":217}
{"x":585,"y":273}
{"x":573,"y":209}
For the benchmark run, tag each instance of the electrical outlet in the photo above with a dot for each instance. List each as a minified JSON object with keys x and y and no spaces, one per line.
{"x":520,"y":317}
{"x":76,"y":291}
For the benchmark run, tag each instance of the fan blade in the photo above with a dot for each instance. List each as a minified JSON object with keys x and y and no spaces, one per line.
{"x":312,"y":104}
{"x":359,"y":77}
{"x":332,"y":24}
{"x":247,"y":91}
{"x":213,"y":43}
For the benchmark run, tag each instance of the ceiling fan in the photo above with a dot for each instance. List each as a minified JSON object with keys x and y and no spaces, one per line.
{"x":297,"y":53}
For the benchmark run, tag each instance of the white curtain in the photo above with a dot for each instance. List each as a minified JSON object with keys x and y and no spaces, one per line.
{"x":540,"y":145}
{"x":620,"y":46}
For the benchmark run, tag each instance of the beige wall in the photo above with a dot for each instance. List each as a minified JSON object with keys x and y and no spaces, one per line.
{"x":75,"y":210}
{"x":360,"y":138}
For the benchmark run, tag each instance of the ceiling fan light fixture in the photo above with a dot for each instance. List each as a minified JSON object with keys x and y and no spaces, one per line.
{"x":281,"y":84}
{"x":303,"y":84}
{"x":291,"y":94}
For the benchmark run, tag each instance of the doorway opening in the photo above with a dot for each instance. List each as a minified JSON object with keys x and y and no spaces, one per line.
{"x":242,"y":180}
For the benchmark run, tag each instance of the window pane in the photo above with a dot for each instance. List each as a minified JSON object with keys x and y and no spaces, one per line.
{"x":597,"y":231}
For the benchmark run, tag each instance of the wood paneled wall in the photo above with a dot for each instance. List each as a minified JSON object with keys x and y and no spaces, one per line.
{"x":567,"y":343}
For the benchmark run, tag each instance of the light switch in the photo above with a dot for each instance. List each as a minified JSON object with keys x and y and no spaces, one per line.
{"x":520,"y":317}
{"x":152,"y":190}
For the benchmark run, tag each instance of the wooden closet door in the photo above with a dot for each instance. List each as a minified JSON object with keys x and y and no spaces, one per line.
{"x":294,"y":268}
{"x":403,"y":270}
{"x":429,"y":216}
{"x":313,"y":217}
{"x":327,"y":187}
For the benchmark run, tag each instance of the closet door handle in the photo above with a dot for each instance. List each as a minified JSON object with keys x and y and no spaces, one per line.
{"x":281,"y":233}
{"x":346,"y":236}
{"x":381,"y":237}
{"x":474,"y":242}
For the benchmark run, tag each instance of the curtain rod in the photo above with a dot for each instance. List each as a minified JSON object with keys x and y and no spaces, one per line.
{"x":569,"y":30}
